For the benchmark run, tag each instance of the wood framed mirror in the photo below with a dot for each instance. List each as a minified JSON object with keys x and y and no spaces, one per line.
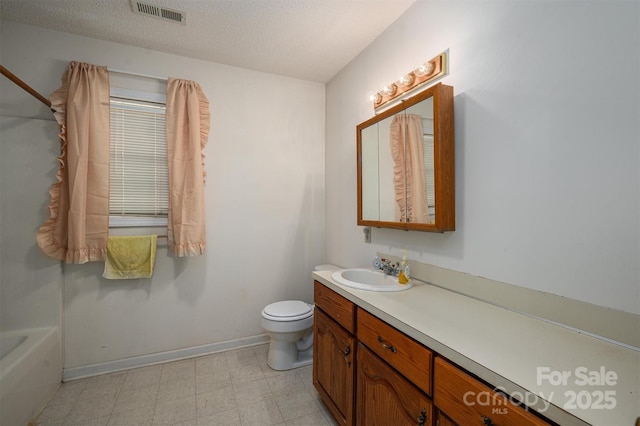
{"x":405,"y":164}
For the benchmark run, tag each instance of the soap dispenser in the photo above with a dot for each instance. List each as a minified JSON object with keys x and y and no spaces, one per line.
{"x":403,"y":275}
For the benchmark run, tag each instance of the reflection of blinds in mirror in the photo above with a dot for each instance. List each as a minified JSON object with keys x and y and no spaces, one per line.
{"x":427,"y":130}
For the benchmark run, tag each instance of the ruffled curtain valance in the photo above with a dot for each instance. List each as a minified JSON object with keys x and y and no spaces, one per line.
{"x":78,"y":227}
{"x":407,"y":149}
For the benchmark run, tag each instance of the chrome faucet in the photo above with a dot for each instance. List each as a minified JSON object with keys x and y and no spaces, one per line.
{"x":386,"y":266}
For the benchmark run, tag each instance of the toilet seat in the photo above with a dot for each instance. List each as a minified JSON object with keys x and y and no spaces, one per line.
{"x":287,"y":310}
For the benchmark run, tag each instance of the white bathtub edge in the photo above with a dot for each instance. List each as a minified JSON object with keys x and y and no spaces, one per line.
{"x":30,"y":374}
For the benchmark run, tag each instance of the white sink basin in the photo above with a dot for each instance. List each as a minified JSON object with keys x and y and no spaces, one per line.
{"x":369,"y":279}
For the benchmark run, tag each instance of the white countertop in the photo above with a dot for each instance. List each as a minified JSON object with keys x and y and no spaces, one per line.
{"x":516,"y":353}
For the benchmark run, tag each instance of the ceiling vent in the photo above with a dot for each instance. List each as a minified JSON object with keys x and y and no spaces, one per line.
{"x":159,"y":11}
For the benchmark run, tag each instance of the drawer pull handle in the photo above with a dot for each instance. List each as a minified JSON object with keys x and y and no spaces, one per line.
{"x":386,"y":346}
{"x":422,"y":418}
{"x":345,"y":355}
{"x":487,"y":421}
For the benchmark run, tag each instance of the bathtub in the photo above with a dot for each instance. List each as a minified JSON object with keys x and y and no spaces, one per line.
{"x":30,"y":372}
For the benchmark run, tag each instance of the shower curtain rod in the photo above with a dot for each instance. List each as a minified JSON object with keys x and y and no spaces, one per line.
{"x":25,"y":87}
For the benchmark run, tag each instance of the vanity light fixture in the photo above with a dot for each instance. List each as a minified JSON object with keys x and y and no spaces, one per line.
{"x":425,"y":73}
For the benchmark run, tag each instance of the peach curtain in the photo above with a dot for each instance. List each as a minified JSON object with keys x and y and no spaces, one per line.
{"x":187,"y":135}
{"x":407,"y":149}
{"x":78,"y":226}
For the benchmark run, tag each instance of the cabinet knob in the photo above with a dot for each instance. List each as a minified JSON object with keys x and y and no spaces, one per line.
{"x":423,"y":417}
{"x":487,"y":421}
{"x":345,"y":355}
{"x":386,"y":345}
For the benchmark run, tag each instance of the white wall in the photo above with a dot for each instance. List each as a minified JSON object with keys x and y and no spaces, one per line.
{"x":264,"y":200}
{"x":547,"y":144}
{"x":30,"y":284}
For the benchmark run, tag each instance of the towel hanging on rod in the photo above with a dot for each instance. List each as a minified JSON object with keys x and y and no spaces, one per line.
{"x":25,"y":86}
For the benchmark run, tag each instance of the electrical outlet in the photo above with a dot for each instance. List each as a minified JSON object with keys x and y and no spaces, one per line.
{"x":367,"y":235}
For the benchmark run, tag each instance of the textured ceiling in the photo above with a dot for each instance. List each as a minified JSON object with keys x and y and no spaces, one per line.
{"x":306,"y":39}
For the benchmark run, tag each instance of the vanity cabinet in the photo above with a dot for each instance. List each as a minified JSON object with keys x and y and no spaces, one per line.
{"x":468,"y":401}
{"x":369,"y":373}
{"x":334,"y":353}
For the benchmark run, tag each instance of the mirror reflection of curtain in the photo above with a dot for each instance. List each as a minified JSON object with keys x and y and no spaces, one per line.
{"x":407,"y":149}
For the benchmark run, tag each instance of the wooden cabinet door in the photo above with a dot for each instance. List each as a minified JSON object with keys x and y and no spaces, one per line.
{"x":457,"y":394}
{"x":333,"y":367}
{"x":442,"y":420}
{"x":386,"y":398}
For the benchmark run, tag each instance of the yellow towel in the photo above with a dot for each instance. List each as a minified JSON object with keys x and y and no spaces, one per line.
{"x":130,"y":257}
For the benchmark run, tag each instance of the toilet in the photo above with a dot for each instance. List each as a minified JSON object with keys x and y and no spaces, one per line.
{"x":289,"y":325}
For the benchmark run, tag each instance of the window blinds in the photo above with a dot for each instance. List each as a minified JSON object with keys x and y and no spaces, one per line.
{"x":429,"y":160}
{"x":139,"y":179}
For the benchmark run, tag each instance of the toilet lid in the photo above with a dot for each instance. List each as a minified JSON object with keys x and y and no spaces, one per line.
{"x":288,"y":310}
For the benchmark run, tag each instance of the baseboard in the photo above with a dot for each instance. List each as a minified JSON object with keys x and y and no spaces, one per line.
{"x":604,"y":323}
{"x":74,"y":373}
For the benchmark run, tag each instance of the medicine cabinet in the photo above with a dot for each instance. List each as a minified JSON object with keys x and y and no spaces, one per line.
{"x":405,"y":164}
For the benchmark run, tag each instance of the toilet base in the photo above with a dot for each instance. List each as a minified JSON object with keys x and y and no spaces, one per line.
{"x":285,"y":356}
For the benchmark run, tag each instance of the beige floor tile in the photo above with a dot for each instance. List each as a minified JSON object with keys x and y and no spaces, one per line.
{"x":208,"y":382}
{"x":191,"y":422}
{"x":176,"y":389}
{"x":109,"y":379}
{"x":230,"y":388}
{"x":68,"y":392}
{"x":99,"y":421}
{"x":261,"y":350}
{"x":92,"y":408}
{"x":223,"y":418}
{"x":241,"y":357}
{"x":286,"y":383}
{"x":218,"y":400}
{"x":211,"y":364}
{"x":140,"y":416}
{"x":178,"y":370}
{"x":314,"y":418}
{"x":297,"y":405}
{"x":264,"y":413}
{"x":140,"y":397}
{"x":142,"y":377}
{"x":247,"y":392}
{"x":246,"y":373}
{"x":175,"y":411}
{"x":52,"y":414}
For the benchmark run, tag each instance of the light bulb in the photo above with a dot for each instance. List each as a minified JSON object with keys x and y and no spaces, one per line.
{"x":390,"y":90}
{"x":424,"y":69}
{"x":407,"y":80}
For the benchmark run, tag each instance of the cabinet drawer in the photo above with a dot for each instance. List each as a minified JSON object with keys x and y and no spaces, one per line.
{"x":403,"y":353}
{"x":470,"y":402}
{"x":340,"y":309}
{"x":385,"y":398}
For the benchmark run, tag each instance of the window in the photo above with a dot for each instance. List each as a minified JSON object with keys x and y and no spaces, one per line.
{"x":139,"y":188}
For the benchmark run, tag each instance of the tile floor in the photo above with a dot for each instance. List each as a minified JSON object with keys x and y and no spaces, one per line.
{"x":230,"y":388}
